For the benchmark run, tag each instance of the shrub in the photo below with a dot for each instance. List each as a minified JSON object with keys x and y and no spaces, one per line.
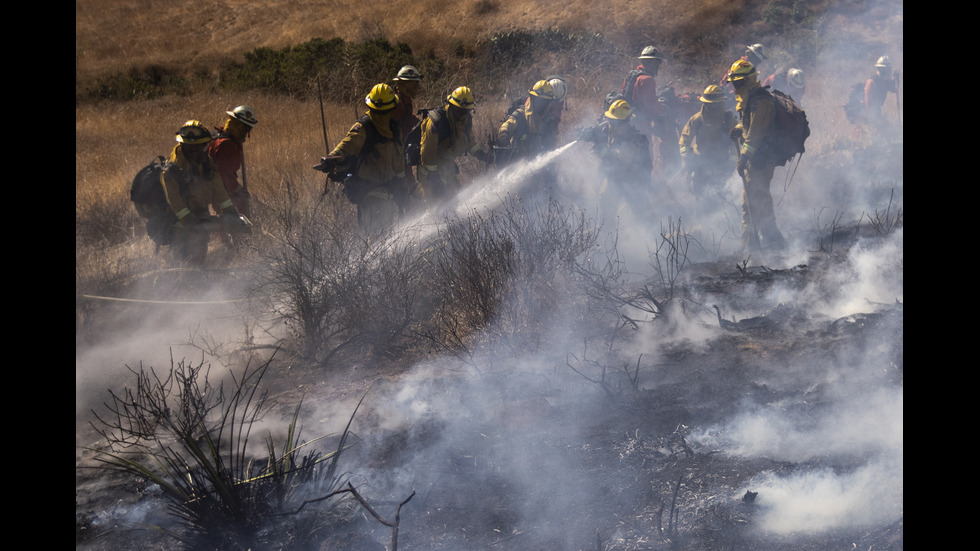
{"x":145,"y":82}
{"x":334,"y":288}
{"x":191,"y":438}
{"x":507,"y":274}
{"x":346,"y":70}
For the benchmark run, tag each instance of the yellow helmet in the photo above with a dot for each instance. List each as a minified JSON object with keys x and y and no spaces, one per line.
{"x":713,"y":94}
{"x":193,"y":133}
{"x":543,"y":89}
{"x":620,"y":110}
{"x":462,"y":97}
{"x":740,"y":70}
{"x":381,"y":98}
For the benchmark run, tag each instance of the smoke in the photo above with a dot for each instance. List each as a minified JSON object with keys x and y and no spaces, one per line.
{"x":860,"y":435}
{"x":838,"y":418}
{"x":197,"y":321}
{"x":517,"y":448}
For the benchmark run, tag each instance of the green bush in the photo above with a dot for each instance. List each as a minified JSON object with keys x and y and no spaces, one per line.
{"x":145,"y":82}
{"x":346,"y":70}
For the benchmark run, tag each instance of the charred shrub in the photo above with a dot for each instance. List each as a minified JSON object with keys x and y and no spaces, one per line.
{"x":190,"y":436}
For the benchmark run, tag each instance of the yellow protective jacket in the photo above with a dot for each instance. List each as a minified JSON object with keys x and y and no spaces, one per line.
{"x":623,"y":152}
{"x":756,"y":111}
{"x":192,"y":187}
{"x":526,"y":129}
{"x":707,"y":135}
{"x":443,"y":139}
{"x":384,"y":162}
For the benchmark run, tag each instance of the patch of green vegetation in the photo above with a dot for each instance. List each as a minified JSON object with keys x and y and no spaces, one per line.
{"x":520,"y":47}
{"x":341,"y":66}
{"x":146,"y":82}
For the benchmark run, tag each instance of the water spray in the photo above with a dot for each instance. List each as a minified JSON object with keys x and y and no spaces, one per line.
{"x":482,"y":193}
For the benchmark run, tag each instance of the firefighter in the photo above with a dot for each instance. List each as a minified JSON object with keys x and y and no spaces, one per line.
{"x":640,"y":90}
{"x":756,"y":112}
{"x":227,"y":153}
{"x":706,"y":148}
{"x":877,"y":87}
{"x":447,"y":133}
{"x":790,"y":81}
{"x":192,"y":184}
{"x":754,"y":54}
{"x":555,"y":111}
{"x":524,"y":131}
{"x":625,"y":162}
{"x":371,"y":162}
{"x":408,"y":81}
{"x":653,"y":119}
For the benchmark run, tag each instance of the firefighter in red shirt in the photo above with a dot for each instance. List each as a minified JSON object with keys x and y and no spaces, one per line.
{"x":228,"y":156}
{"x":877,"y":87}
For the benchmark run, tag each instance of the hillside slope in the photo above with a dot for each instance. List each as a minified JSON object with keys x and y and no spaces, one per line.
{"x":114,"y":37}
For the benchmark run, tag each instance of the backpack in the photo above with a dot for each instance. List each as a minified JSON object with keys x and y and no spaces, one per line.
{"x":629,"y":82}
{"x":413,"y":142}
{"x":504,"y":153}
{"x":790,"y":128}
{"x":150,"y":200}
{"x":355,"y":189}
{"x":611,"y":98}
{"x":854,"y":108}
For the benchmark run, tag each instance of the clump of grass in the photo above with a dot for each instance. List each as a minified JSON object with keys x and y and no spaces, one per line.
{"x":192,"y":438}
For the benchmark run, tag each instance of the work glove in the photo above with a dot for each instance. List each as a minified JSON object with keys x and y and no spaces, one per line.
{"x":690,"y":162}
{"x":203,"y":223}
{"x":483,"y":156}
{"x":327,"y":164}
{"x":735,"y":133}
{"x":743,"y":161}
{"x":588,"y":134}
{"x":235,"y":222}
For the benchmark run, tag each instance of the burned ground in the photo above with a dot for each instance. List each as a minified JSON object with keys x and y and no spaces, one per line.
{"x":641,"y":456}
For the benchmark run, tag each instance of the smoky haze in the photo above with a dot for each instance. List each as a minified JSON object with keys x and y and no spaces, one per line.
{"x":521,"y":447}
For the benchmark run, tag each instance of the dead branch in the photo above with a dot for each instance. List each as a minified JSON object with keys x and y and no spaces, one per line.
{"x":393,"y":524}
{"x":601,"y":381}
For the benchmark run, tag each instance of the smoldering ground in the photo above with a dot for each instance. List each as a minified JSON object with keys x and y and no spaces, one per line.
{"x":518,"y":450}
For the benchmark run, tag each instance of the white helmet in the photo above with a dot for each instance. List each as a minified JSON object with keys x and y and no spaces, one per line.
{"x":558,"y":85}
{"x":244,"y":114}
{"x":758,"y":50}
{"x":883,"y":62}
{"x":408,"y":73}
{"x":796,"y":78}
{"x":650,"y":52}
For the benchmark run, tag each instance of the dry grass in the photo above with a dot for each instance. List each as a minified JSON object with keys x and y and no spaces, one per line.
{"x":113,"y":140}
{"x":184,"y":31}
